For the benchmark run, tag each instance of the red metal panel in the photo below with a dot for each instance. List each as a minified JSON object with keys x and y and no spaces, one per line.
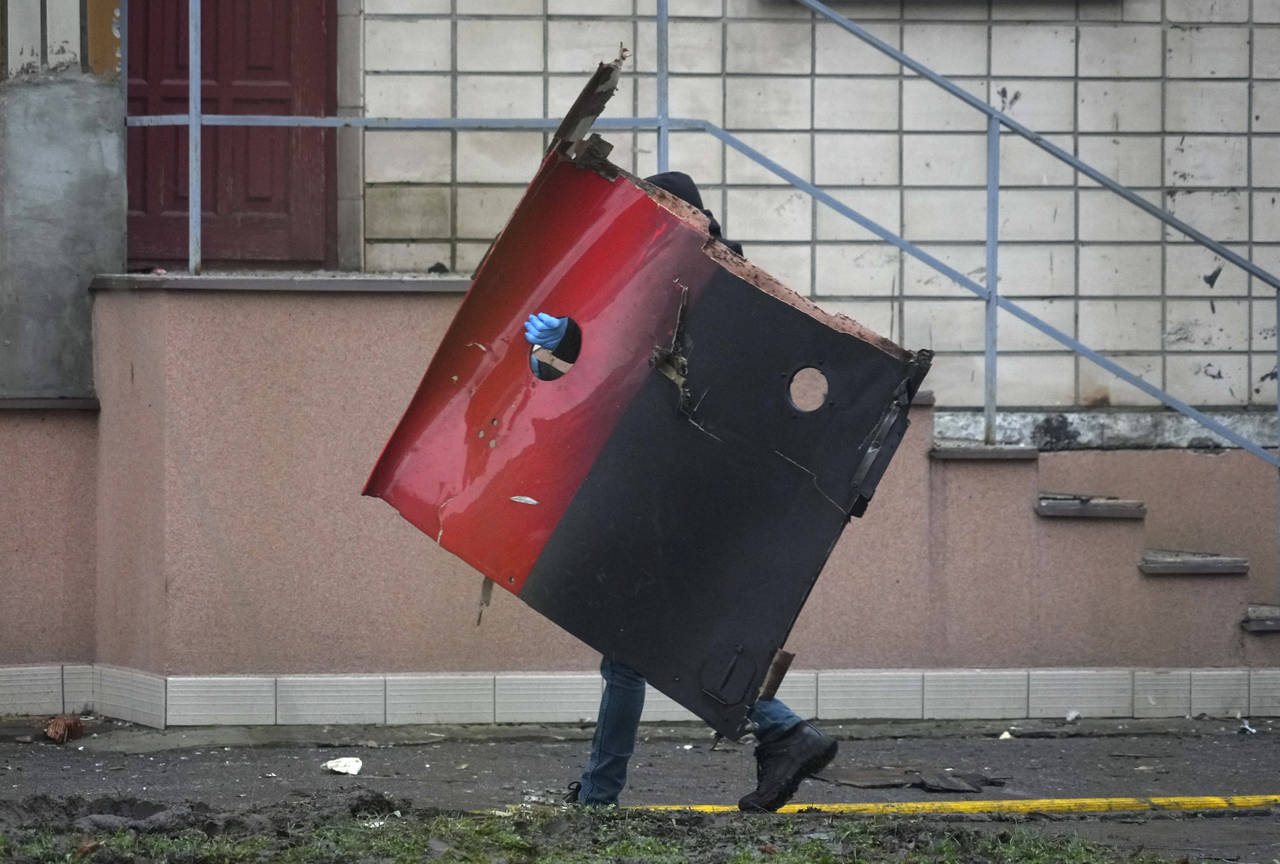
{"x":483,"y":437}
{"x":666,"y":499}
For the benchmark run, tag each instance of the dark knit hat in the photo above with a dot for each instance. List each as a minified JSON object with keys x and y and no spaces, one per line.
{"x":682,"y":186}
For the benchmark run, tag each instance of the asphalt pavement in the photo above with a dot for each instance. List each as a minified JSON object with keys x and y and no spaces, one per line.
{"x":929,"y":764}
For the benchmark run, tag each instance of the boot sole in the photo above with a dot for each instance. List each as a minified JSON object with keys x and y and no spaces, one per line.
{"x":807,"y":769}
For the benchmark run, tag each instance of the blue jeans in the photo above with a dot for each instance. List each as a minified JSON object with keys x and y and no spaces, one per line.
{"x":619,"y":719}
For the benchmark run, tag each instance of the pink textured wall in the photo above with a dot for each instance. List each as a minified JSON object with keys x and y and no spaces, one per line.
{"x":46,"y":536}
{"x":129,"y":339}
{"x":277,"y":406}
{"x":1223,"y":501}
{"x":238,"y":429}
{"x":953,"y":568}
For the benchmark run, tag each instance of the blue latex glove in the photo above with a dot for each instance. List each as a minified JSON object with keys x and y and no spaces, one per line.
{"x":545,"y":330}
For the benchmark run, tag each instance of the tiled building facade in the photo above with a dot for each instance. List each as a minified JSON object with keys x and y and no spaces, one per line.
{"x":1177,"y":99}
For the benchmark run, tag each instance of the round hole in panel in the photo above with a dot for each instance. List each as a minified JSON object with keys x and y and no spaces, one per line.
{"x":808,"y":389}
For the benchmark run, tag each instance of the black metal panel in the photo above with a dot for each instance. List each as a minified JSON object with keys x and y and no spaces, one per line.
{"x":690,"y":548}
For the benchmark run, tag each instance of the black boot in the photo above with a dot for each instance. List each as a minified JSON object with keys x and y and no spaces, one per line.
{"x":782,"y":764}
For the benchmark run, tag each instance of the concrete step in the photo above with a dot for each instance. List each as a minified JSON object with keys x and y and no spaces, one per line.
{"x":1173,"y":562}
{"x":1059,"y":504}
{"x":973,"y":451}
{"x":1261,"y":618}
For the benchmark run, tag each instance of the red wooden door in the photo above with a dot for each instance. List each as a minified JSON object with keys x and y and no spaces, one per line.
{"x":267,"y":192}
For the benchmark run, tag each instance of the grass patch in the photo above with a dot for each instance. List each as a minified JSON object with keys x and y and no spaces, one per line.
{"x":573,"y":836}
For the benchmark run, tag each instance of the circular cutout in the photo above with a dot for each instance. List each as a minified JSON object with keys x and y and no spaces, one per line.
{"x":808,"y":389}
{"x":552,"y":360}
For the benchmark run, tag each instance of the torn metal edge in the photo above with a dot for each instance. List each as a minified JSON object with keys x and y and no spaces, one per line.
{"x":592,"y":153}
{"x":590,"y":102}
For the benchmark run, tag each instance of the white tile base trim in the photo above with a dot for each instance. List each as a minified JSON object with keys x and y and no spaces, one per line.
{"x":572,"y":697}
{"x":1162,"y":693}
{"x":1264,"y":692}
{"x":871,"y":694}
{"x":222,"y":700}
{"x":975,"y":694}
{"x":661,"y":708}
{"x":1089,"y":692}
{"x":331,"y":699}
{"x":31,"y":690}
{"x":1219,"y":692}
{"x":440,"y":699}
{"x":127,"y":694}
{"x":77,"y":688}
{"x":566,"y":697}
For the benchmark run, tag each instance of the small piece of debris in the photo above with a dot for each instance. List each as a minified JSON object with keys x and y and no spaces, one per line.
{"x":1245,"y":728}
{"x":63,"y":728}
{"x":523,"y":499}
{"x":1005,"y":735}
{"x":1073,"y":716}
{"x":345,"y":765}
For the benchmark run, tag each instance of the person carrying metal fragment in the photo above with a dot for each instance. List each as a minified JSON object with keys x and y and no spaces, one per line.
{"x":789,"y":749}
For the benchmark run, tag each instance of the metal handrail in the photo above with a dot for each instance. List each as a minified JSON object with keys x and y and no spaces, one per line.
{"x":996,"y":119}
{"x":1037,"y":139}
{"x":663,"y":123}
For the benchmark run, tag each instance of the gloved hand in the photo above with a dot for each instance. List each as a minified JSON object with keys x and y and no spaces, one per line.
{"x":545,"y":330}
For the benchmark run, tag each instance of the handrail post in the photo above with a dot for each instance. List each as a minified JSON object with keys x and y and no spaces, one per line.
{"x":194,"y":72}
{"x":664,"y":110}
{"x":992,"y":280}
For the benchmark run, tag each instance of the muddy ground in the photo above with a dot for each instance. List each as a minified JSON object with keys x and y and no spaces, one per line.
{"x":123,"y":776}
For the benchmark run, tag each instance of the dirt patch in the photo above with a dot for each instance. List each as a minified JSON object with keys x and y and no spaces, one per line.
{"x":368,"y":827}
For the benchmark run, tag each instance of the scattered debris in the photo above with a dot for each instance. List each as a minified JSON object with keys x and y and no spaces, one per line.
{"x":379,"y":821}
{"x":345,"y":765}
{"x":947,"y":780}
{"x":63,"y":728}
{"x":945,"y":783}
{"x":1245,"y":728}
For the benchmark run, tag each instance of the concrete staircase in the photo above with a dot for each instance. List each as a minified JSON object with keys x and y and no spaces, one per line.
{"x":1009,"y":557}
{"x":1119,"y":569}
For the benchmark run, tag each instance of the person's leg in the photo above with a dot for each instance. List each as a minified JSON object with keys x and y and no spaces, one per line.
{"x":789,"y":751}
{"x":615,"y":735}
{"x":772,"y":719}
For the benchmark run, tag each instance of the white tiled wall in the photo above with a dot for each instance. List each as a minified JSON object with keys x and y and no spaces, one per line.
{"x":1179,"y":100}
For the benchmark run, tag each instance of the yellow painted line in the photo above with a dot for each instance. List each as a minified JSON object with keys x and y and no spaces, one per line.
{"x":1035,"y":805}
